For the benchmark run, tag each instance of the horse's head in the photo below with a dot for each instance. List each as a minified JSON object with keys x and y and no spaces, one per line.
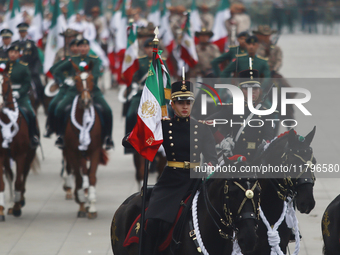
{"x":84,"y":83}
{"x":295,"y":153}
{"x":5,"y":88}
{"x":241,"y":208}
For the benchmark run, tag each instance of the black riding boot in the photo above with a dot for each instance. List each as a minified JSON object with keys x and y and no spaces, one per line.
{"x":49,"y":126}
{"x":34,"y":133}
{"x":59,"y":131}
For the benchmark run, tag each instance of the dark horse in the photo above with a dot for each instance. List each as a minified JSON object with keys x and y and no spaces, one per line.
{"x":76,"y":159}
{"x":331,"y":228}
{"x":293,"y":151}
{"x":18,"y":149}
{"x":221,"y":209}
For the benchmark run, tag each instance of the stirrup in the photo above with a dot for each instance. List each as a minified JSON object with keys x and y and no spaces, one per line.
{"x":48,"y":133}
{"x":35,"y":142}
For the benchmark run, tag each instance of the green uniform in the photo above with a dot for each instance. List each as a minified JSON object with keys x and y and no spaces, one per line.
{"x":21,"y":82}
{"x":139,"y":77}
{"x":104,"y":110}
{"x":227,"y":56}
{"x":242,"y":63}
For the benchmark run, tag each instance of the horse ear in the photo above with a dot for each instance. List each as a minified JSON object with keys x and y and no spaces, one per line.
{"x":90,"y":66}
{"x":310,"y":136}
{"x":291,"y":136}
{"x":75,"y":67}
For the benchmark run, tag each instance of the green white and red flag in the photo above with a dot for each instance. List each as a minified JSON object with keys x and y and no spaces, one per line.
{"x":38,"y":22}
{"x":147,"y":135}
{"x":130,"y":63}
{"x":188,"y":48}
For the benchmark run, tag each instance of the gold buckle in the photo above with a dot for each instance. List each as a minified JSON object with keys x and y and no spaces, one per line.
{"x":186,"y":165}
{"x":192,"y":233}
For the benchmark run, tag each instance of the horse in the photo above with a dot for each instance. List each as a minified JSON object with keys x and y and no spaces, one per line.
{"x":290,"y":150}
{"x":76,"y":154}
{"x":330,"y":226}
{"x":223,"y":210}
{"x":15,"y":147}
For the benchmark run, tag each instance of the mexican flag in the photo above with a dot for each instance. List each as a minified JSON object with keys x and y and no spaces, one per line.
{"x":188,"y":49}
{"x":147,"y":135}
{"x":165,"y":32}
{"x":195,"y":20}
{"x":219,"y":29}
{"x":155,"y":14}
{"x":13,"y":17}
{"x":54,"y":41}
{"x":130,"y":63}
{"x":38,"y":21}
{"x":71,"y":12}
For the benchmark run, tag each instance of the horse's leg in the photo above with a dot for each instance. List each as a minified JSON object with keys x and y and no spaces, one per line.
{"x":95,"y":159}
{"x":68,"y":180}
{"x":79,"y":193}
{"x":2,"y":190}
{"x":20,"y":161}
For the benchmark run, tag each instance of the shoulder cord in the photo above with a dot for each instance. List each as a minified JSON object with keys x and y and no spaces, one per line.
{"x":88,"y":120}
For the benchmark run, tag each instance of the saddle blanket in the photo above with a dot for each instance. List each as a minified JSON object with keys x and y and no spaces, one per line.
{"x":133,"y":234}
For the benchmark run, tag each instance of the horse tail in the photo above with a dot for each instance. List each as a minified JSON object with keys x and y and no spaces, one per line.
{"x":104,"y":158}
{"x":35,"y":165}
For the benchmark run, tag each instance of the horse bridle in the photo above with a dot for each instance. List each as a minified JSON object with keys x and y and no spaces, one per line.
{"x":5,"y":96}
{"x":290,"y":185}
{"x":229,"y":223}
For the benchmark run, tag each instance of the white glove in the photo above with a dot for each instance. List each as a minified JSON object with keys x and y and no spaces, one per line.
{"x":121,"y":97}
{"x":134,"y":90}
{"x":69,"y":81}
{"x":16,"y":94}
{"x":227,"y":145}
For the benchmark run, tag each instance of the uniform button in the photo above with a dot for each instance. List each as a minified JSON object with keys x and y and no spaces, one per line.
{"x":244,"y":139}
{"x":196,"y":126}
{"x":248,"y":153}
{"x":259,"y":116}
{"x":194,"y":154}
{"x":259,"y":123}
{"x":258,"y":139}
{"x":196,"y":140}
{"x":173,"y":153}
{"x":196,"y":146}
{"x":170,"y":124}
{"x":259,"y":131}
{"x":170,"y":132}
{"x":171,"y":144}
{"x":174,"y":159}
{"x":170,"y":137}
{"x":242,"y":132}
{"x":195,"y":132}
{"x":241,"y":117}
{"x":194,"y":160}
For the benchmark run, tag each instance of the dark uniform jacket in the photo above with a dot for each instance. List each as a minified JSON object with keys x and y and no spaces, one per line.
{"x":251,"y":137}
{"x":30,"y":55}
{"x":3,"y":51}
{"x":181,"y":143}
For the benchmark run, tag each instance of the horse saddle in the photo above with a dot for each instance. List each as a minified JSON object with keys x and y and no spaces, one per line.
{"x":134,"y":230}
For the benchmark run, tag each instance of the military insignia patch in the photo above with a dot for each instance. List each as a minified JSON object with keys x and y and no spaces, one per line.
{"x":28,"y":45}
{"x":184,"y":87}
{"x":251,"y":145}
{"x":149,"y":109}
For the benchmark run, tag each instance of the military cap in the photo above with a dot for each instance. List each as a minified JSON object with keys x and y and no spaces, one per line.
{"x":244,"y":33}
{"x":264,"y":30}
{"x":252,"y":39}
{"x":6,"y":33}
{"x":249,"y":79}
{"x":22,"y":26}
{"x":147,"y":31}
{"x":14,"y":47}
{"x":74,"y":42}
{"x":83,"y":41}
{"x":182,"y":90}
{"x":69,"y":33}
{"x":204,"y":31}
{"x":81,"y":12}
{"x":148,"y":42}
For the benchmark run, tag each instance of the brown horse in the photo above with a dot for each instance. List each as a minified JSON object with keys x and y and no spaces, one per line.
{"x":18,"y":148}
{"x":77,"y":156}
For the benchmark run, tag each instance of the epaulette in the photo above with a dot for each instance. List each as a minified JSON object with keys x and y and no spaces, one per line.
{"x":93,"y":56}
{"x":3,"y":59}
{"x":23,"y":63}
{"x":75,"y":56}
{"x":142,"y":56}
{"x":233,"y":46}
{"x":266,"y":59}
{"x":166,"y":118}
{"x":241,"y":55}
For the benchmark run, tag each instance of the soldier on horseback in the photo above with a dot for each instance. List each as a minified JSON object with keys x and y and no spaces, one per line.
{"x":63,"y":109}
{"x":30,"y":55}
{"x":183,"y":146}
{"x":21,"y":83}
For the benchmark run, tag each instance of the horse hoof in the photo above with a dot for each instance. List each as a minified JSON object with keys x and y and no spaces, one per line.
{"x":23,"y":202}
{"x":81,"y":214}
{"x":10,"y":211}
{"x":2,"y":218}
{"x":92,"y":215}
{"x":17,"y":213}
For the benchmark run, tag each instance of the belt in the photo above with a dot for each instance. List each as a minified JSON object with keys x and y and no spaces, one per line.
{"x":185,"y":164}
{"x":16,"y":86}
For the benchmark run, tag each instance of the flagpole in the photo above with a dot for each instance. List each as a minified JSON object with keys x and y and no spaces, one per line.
{"x":146,"y":167}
